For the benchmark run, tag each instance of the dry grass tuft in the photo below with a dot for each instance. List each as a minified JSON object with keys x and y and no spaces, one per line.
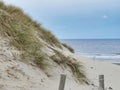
{"x":76,"y":67}
{"x":68,"y":47}
{"x":13,"y":24}
{"x":49,"y":37}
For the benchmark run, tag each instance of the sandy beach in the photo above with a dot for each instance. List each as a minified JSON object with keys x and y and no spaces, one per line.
{"x":16,"y":75}
{"x":32,"y":58}
{"x":93,"y":68}
{"x":27,"y":77}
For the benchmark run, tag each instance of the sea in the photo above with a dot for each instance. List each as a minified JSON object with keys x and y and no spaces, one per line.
{"x":96,"y":49}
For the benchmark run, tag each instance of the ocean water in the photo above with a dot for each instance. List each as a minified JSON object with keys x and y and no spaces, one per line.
{"x":96,"y":49}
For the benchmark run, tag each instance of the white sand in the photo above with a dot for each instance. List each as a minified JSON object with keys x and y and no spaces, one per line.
{"x":16,"y":75}
{"x":110,"y":71}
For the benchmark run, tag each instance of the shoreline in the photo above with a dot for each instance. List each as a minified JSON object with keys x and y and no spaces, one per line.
{"x":115,"y":59}
{"x":109,"y":69}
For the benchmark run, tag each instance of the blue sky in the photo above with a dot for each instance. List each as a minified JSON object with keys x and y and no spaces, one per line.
{"x":75,"y":19}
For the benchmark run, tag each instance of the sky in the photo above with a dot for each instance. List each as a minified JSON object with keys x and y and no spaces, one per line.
{"x":75,"y":19}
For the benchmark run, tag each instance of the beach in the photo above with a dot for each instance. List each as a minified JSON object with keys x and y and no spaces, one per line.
{"x":100,"y":57}
{"x":27,"y":77}
{"x":18,"y":75}
{"x":110,"y":71}
{"x":32,"y":58}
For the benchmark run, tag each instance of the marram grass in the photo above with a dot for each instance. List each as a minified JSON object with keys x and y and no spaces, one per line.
{"x":21,"y":31}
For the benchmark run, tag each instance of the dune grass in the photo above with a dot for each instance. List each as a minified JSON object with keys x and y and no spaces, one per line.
{"x":21,"y":35}
{"x":21,"y":29}
{"x":47,"y":36}
{"x":18,"y":15}
{"x":68,"y":47}
{"x":76,"y":67}
{"x":23,"y":39}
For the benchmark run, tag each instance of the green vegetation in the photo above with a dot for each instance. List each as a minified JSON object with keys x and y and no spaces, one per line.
{"x":26,"y":34}
{"x":68,"y":47}
{"x":76,"y":67}
{"x":20,"y":29}
{"x":21,"y":18}
{"x":48,"y":37}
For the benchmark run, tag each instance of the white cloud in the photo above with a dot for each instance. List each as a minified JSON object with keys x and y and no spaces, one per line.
{"x":105,"y":16}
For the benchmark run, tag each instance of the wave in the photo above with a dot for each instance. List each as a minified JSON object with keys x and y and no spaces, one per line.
{"x":113,"y":57}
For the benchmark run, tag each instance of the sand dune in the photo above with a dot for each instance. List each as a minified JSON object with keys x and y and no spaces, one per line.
{"x":17,"y":75}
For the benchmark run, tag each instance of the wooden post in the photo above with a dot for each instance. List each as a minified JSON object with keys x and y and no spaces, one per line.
{"x":62,"y":82}
{"x":101,"y":82}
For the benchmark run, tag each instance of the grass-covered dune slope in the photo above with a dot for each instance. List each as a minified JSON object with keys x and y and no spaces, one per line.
{"x":36,"y":44}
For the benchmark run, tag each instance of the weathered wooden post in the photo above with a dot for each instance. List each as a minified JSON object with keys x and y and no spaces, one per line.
{"x":62,"y":82}
{"x":101,"y":82}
